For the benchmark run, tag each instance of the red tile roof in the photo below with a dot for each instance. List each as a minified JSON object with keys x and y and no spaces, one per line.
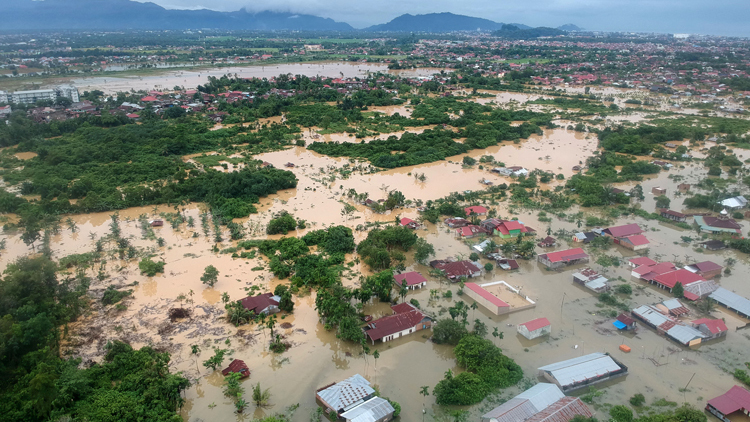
{"x":403,"y":307}
{"x":737,"y":398}
{"x":388,"y":325}
{"x":642,"y":260}
{"x":715,"y":326}
{"x":149,"y":98}
{"x":562,"y":410}
{"x":536,"y":324}
{"x":707,"y":266}
{"x":411,"y":278}
{"x":478,"y":209}
{"x":566,"y":255}
{"x":486,"y":295}
{"x":626,"y":230}
{"x":237,"y":366}
{"x":458,"y":269}
{"x":258,"y":303}
{"x":682,"y":276}
{"x":637,"y":240}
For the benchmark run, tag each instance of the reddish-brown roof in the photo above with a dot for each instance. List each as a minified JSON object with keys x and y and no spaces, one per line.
{"x":626,"y":230}
{"x":386,"y":326}
{"x":258,"y":303}
{"x":562,"y":410}
{"x":411,"y":278}
{"x":642,"y":260}
{"x":536,"y":324}
{"x":682,"y":276}
{"x":458,"y":269}
{"x":673,"y":213}
{"x":237,"y":366}
{"x":403,"y":307}
{"x":649,"y":272}
{"x":706,"y":266}
{"x":566,"y":255}
{"x":720,"y":223}
{"x":715,"y":326}
{"x":737,"y":398}
{"x":405,"y":221}
{"x":625,"y":319}
{"x":486,"y":295}
{"x":477,"y":209}
{"x":637,"y":240}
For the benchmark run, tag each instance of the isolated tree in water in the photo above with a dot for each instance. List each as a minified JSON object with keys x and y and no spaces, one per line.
{"x":210,"y":275}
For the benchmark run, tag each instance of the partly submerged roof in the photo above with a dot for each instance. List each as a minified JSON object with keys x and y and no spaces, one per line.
{"x":566,"y":255}
{"x":370,"y":411}
{"x":625,"y":230}
{"x":347,"y":392}
{"x":731,"y":300}
{"x":526,"y":404}
{"x":737,"y":398}
{"x":573,"y":371}
{"x":536,"y":324}
{"x":412,"y":278}
{"x":715,"y":326}
{"x":393,"y":324}
{"x":486,"y":295}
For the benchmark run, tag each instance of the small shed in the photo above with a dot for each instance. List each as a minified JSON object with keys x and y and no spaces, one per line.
{"x":705,"y":269}
{"x":624,"y":322}
{"x":547,"y":242}
{"x":658,"y":191}
{"x":237,"y":366}
{"x":683,"y":187}
{"x":156,"y":223}
{"x":535,"y":328}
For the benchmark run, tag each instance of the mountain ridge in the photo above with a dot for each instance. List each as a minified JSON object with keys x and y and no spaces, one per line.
{"x":131,"y":15}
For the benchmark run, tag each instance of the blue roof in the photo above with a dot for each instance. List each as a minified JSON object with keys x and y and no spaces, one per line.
{"x":619,"y":325}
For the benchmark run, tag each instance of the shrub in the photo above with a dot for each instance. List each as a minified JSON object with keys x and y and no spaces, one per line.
{"x":281,"y":224}
{"x":112,"y":295}
{"x":448,"y":331}
{"x":638,"y":400}
{"x":150,"y":268}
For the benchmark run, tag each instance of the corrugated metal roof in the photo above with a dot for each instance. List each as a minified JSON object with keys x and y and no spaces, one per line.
{"x":684,"y":334}
{"x":597,"y":283}
{"x":672,"y":304}
{"x":347,"y":392}
{"x":731,"y":300}
{"x":581,"y":368}
{"x":542,"y":395}
{"x":369,"y":411}
{"x":651,"y":315}
{"x":526,"y":404}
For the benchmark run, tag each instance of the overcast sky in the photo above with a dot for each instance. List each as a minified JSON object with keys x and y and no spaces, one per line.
{"x":720,"y":17}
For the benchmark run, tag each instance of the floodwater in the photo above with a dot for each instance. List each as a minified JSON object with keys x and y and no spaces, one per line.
{"x":189,"y":79}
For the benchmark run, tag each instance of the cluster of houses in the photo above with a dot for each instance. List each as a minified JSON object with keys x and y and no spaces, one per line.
{"x":668,"y":319}
{"x":354,"y":400}
{"x":696,"y":279}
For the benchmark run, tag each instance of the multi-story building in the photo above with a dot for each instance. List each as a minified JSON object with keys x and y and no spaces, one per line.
{"x":31,"y":97}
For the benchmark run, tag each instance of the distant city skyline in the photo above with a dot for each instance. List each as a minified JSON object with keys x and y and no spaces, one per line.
{"x":718,"y":17}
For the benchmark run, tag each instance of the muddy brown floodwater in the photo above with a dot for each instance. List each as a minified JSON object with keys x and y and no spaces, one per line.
{"x":658,"y":368}
{"x":189,"y":79}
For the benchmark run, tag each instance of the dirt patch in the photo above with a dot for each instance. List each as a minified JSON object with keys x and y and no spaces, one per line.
{"x":178,"y":313}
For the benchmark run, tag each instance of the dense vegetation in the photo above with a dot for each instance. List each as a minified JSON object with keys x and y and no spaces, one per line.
{"x":487,"y":369}
{"x":383,"y":246}
{"x":38,"y":385}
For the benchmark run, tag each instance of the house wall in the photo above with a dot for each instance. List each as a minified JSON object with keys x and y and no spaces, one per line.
{"x":534,"y":334}
{"x":717,"y":413}
{"x":710,"y":274}
{"x":497,"y":310}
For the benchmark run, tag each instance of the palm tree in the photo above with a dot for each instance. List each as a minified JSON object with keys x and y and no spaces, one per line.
{"x":473,"y":307}
{"x":424,"y":391}
{"x":260,"y":396}
{"x":375,"y":356}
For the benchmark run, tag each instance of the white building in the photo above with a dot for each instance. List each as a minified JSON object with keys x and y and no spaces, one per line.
{"x":31,"y":97}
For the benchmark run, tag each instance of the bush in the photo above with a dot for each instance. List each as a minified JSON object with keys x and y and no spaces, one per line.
{"x":462,"y":390}
{"x":474,"y":256}
{"x":112,"y":295}
{"x":621,"y":413}
{"x":625,"y":289}
{"x":415,"y":302}
{"x":638,"y":400}
{"x":448,"y":331}
{"x":281,"y":224}
{"x":150,"y":268}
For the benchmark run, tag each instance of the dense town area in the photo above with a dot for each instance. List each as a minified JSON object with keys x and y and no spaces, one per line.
{"x":527,"y":225}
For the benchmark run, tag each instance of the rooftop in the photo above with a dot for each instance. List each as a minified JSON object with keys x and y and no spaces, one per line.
{"x":412,"y":278}
{"x":536,"y":324}
{"x":582,"y":368}
{"x":347,"y":392}
{"x":737,"y":398}
{"x":566,"y":255}
{"x":486,"y":295}
{"x":372,"y":410}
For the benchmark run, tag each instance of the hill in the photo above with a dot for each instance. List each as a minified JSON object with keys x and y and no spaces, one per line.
{"x":435,"y":22}
{"x":569,"y":27}
{"x":126,"y":14}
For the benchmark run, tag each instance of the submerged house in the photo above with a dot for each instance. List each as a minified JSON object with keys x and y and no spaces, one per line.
{"x":534,"y":328}
{"x":543,"y":402}
{"x":506,"y":229}
{"x":458,"y":269}
{"x":376,"y":409}
{"x":735,"y":402}
{"x":265,"y":303}
{"x":413,"y":279}
{"x":619,"y":232}
{"x":406,"y":319}
{"x":711,"y":328}
{"x":720,"y":224}
{"x":560,"y":259}
{"x":673,"y":215}
{"x":591,"y":279}
{"x":583,"y":371}
{"x":636,"y":242}
{"x":705,"y":269}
